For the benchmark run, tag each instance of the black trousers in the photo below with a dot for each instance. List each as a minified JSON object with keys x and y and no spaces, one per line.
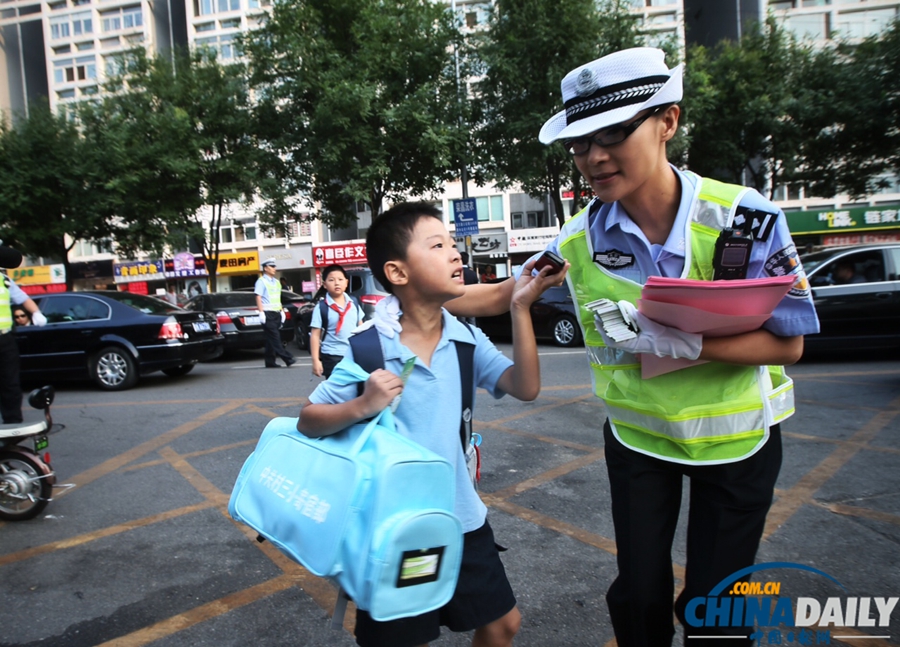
{"x":728,"y":507}
{"x":274,"y":347}
{"x":10,"y":390}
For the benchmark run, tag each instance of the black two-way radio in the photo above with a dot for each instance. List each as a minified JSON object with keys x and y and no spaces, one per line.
{"x":732,"y":256}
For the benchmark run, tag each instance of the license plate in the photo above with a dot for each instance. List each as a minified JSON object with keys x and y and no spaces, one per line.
{"x":251,"y":321}
{"x":40,"y":442}
{"x":201,"y":326}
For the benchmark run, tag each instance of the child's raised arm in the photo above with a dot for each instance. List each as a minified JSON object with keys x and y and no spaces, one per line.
{"x":325,"y":419}
{"x":523,"y":379}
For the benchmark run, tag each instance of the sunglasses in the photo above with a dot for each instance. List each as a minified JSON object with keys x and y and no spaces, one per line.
{"x":608,"y":136}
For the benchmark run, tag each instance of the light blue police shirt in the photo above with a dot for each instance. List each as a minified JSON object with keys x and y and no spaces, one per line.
{"x":259,"y":289}
{"x":336,"y":343}
{"x":611,"y":228}
{"x":17,"y":296}
{"x":431,"y":404}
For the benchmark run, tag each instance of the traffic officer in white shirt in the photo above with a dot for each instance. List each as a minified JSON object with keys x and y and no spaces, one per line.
{"x":268,"y":301}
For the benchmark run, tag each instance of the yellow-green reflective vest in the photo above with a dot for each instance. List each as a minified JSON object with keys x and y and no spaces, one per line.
{"x":6,"y":321}
{"x":273,"y":292}
{"x":705,"y":414}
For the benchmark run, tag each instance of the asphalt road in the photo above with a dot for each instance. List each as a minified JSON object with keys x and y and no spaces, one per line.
{"x":139,"y":549}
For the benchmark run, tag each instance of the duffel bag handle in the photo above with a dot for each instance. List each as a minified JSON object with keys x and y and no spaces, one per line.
{"x":386,"y":418}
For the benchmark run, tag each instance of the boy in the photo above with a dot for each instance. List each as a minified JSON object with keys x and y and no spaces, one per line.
{"x":411,"y":253}
{"x":328,"y":339}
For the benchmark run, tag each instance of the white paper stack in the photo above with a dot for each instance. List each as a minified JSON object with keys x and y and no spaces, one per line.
{"x":616,"y":323}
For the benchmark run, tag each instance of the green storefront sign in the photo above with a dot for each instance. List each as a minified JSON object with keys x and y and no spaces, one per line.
{"x":857,"y":219}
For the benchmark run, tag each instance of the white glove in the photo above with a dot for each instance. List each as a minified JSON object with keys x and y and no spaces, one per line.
{"x":38,"y":318}
{"x":283,"y":316}
{"x":654,"y":338}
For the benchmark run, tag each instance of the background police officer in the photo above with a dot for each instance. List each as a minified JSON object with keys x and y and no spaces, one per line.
{"x":268,"y":301}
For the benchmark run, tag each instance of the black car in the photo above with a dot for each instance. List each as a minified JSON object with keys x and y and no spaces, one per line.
{"x":238,"y":317}
{"x":554,"y":317}
{"x":856,"y":291}
{"x":113,"y":338}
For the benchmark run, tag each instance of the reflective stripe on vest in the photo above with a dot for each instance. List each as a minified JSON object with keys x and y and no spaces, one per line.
{"x":705,"y":414}
{"x":6,"y":321}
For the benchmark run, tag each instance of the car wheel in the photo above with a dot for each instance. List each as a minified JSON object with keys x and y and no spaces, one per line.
{"x":114,"y":369}
{"x":177,"y":371}
{"x":565,"y":332}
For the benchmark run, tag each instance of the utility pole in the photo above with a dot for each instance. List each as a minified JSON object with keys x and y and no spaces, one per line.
{"x":463,"y":173}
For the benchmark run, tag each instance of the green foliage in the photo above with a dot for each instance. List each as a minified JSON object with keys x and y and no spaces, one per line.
{"x":48,"y":186}
{"x":181,"y":141}
{"x":529,"y":47}
{"x":363,"y":93}
{"x":739,"y":99}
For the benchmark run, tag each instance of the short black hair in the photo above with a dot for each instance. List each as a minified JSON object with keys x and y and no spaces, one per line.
{"x":389,"y":236}
{"x":334,"y":268}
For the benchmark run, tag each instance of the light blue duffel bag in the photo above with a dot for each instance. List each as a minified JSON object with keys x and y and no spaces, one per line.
{"x":366,"y":506}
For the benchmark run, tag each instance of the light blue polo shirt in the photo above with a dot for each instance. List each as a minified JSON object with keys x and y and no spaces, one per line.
{"x":336,"y":343}
{"x":431,"y":404}
{"x":17,"y":296}
{"x":611,"y":228}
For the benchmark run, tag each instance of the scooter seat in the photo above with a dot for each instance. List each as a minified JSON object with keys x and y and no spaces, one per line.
{"x":27,"y":428}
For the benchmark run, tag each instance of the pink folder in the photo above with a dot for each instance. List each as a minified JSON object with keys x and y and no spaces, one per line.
{"x":713,"y":308}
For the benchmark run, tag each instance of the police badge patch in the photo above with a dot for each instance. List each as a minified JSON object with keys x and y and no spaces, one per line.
{"x":613,"y":259}
{"x":787,"y":261}
{"x":585,"y":84}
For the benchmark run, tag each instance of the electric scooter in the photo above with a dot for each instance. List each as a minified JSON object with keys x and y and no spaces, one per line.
{"x":26,"y":477}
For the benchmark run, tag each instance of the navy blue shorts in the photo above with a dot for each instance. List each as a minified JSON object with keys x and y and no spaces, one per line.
{"x":482,"y":595}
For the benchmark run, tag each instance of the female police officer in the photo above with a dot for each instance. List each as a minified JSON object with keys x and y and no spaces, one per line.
{"x":716,"y":422}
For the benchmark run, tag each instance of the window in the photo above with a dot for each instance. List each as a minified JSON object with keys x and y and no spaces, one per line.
{"x":813,"y":26}
{"x":203,"y":7}
{"x":73,"y":308}
{"x":125,"y":18}
{"x":862,"y":24}
{"x":229,"y":5}
{"x":233,"y":23}
{"x":132,"y":18}
{"x":81,"y":23}
{"x":862,"y":267}
{"x":225,"y":235}
{"x":59,"y":28}
{"x":68,"y":70}
{"x":111,"y":21}
{"x":224,"y":45}
{"x":530,"y":219}
{"x":205,"y":26}
{"x":816,"y":3}
{"x":256,"y":4}
{"x":489,"y":208}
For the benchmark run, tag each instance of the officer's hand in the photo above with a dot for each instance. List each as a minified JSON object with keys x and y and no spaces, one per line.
{"x":652,"y":337}
{"x":283,"y":316}
{"x":381,"y":388}
{"x":38,"y":318}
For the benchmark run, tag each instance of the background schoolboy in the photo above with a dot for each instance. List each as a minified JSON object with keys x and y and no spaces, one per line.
{"x":343,"y":316}
{"x":716,"y":423}
{"x":411,"y":253}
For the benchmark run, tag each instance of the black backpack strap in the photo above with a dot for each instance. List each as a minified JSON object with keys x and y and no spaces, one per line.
{"x":367,"y":353}
{"x":323,"y":310}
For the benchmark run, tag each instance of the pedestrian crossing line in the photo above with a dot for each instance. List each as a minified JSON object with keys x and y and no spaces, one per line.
{"x":196,"y":454}
{"x":861,"y":513}
{"x":542,"y":438}
{"x":803,"y":492}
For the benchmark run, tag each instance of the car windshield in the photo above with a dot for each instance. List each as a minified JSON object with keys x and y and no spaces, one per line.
{"x":149,"y":305}
{"x":812,"y":261}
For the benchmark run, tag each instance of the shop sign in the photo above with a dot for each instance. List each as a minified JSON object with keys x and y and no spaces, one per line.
{"x":485,"y":244}
{"x":239,"y":262}
{"x":184,"y":264}
{"x":348,"y":253}
{"x":131,"y":271}
{"x":531,"y":240}
{"x":44,"y":289}
{"x":39,"y":274}
{"x":860,"y":239}
{"x":91,"y":270}
{"x":855,"y":219}
{"x":291,"y":258}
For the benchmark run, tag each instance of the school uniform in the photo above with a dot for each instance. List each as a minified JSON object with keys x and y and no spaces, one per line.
{"x":336,"y":330}
{"x":429,"y":414}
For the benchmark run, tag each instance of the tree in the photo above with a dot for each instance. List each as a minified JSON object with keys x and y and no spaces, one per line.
{"x":529,"y":47}
{"x":740,"y":103}
{"x":180,"y":133}
{"x":363,"y":94}
{"x":49,"y":187}
{"x":849,"y":113}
